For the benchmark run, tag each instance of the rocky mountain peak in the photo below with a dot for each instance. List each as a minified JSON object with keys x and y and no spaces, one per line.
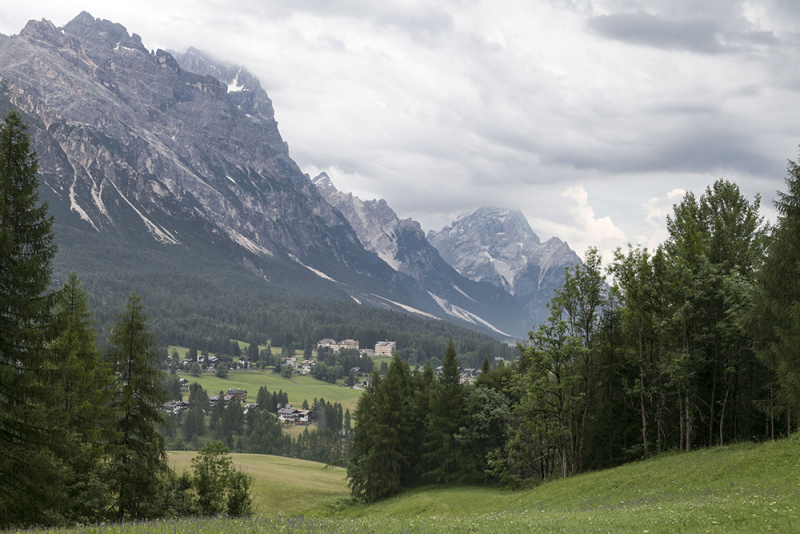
{"x":498,"y":246}
{"x":324,"y":183}
{"x":42,"y":30}
{"x":401,"y":243}
{"x":235,"y":77}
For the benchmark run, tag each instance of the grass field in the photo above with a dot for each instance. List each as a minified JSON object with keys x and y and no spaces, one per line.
{"x":735,"y":489}
{"x":299,"y":387}
{"x":283,"y":484}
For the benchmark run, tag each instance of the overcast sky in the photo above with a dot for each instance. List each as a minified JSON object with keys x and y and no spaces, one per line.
{"x":591,"y":116}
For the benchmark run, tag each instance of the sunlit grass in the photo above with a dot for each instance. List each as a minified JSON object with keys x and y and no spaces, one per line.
{"x":283,"y":485}
{"x":736,"y":489}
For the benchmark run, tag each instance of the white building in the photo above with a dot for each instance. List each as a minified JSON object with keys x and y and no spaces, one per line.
{"x":385,"y":348}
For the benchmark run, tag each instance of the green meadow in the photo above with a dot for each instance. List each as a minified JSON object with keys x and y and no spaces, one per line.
{"x":735,"y":489}
{"x":299,"y":387}
{"x":282,"y":484}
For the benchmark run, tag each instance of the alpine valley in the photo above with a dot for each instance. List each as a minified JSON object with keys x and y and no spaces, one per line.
{"x":155,"y":164}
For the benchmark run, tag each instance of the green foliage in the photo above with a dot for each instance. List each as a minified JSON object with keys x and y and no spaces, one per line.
{"x":27,"y":250}
{"x":221,"y":371}
{"x":774,"y":320}
{"x":446,"y":416}
{"x":218,"y":487}
{"x":138,"y":461}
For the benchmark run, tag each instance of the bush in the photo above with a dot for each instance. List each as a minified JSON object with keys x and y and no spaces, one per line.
{"x":220,"y":488}
{"x":222,"y":371}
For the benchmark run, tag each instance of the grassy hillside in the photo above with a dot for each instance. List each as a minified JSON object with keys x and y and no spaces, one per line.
{"x":740,"y":488}
{"x":283,"y":484}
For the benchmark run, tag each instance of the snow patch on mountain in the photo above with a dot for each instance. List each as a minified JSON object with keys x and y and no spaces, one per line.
{"x":315,"y":271}
{"x":159,"y":234}
{"x":498,"y":246}
{"x":464,"y":315}
{"x":74,"y":206}
{"x":407,"y":308}
{"x":462,"y":292}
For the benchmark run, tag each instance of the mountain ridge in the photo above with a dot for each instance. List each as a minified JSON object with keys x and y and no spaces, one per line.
{"x":402,"y":244}
{"x":498,"y":246}
{"x":137,"y":151}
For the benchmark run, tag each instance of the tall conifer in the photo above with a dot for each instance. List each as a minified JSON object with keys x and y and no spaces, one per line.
{"x":27,"y":249}
{"x":139,"y":459}
{"x":446,"y":418}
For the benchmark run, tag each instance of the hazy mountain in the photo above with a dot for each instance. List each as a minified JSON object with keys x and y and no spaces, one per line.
{"x":132,"y":147}
{"x":401,"y":243}
{"x":149,"y":166}
{"x":498,"y":246}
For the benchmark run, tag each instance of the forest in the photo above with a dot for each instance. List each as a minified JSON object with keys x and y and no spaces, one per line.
{"x":691,"y":345}
{"x":79,"y":427}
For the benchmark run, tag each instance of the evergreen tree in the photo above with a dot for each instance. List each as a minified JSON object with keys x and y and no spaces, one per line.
{"x":27,"y":249}
{"x":215,"y":421}
{"x":446,"y":417}
{"x":194,"y":423}
{"x":82,"y":386}
{"x":774,"y":321}
{"x":383,"y":445}
{"x":263,"y":399}
{"x":138,"y":461}
{"x":198,"y":398}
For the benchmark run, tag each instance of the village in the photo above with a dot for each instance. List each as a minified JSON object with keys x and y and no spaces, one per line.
{"x":286,"y":413}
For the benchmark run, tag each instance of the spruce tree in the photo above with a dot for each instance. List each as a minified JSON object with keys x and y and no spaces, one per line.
{"x":446,"y":417}
{"x":138,"y":461}
{"x":27,"y":249}
{"x":82,"y":388}
{"x":774,"y":321}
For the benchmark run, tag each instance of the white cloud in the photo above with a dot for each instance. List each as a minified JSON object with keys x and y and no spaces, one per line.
{"x":655,"y":212}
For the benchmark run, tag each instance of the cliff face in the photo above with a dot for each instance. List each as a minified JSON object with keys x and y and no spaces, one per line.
{"x":499,"y":246}
{"x":132,"y":144}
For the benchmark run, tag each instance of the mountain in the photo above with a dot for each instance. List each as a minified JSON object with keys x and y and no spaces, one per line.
{"x":154,"y":165}
{"x":133,"y":147}
{"x":401,"y":243}
{"x":498,"y":246}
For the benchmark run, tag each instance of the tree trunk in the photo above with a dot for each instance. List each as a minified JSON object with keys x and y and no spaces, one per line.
{"x":688,"y":423}
{"x":713,"y":402}
{"x":722,"y":412}
{"x":641,"y":406}
{"x":681,"y":424}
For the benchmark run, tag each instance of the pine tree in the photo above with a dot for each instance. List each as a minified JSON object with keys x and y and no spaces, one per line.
{"x":138,"y":460}
{"x":82,"y":387}
{"x":27,"y":249}
{"x":774,"y":321}
{"x":446,"y":417}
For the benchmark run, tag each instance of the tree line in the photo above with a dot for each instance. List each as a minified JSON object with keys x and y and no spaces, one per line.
{"x":693,"y":344}
{"x":186,"y":310}
{"x":258,"y":431}
{"x":79,"y":426}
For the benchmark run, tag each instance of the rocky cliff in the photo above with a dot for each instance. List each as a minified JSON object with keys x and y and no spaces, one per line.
{"x":151,"y":162}
{"x":402,"y":244}
{"x":498,"y":246}
{"x":131,"y":144}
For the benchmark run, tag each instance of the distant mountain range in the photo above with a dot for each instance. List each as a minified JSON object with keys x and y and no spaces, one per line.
{"x":149,"y":159}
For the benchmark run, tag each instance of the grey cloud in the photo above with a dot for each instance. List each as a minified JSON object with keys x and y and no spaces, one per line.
{"x":714,"y":149}
{"x":760,"y":37}
{"x":642,"y":28}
